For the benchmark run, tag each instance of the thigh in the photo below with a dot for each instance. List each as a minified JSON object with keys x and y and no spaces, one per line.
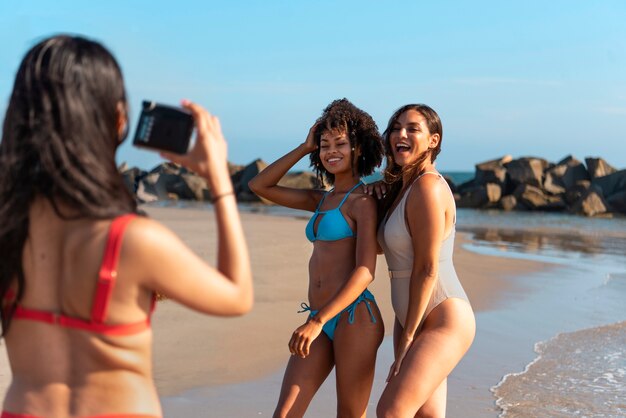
{"x":355,"y":349}
{"x":446,"y":335}
{"x":435,"y":406}
{"x":303,"y":377}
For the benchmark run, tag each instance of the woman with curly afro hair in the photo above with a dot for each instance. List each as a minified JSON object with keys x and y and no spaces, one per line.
{"x":344,"y":328}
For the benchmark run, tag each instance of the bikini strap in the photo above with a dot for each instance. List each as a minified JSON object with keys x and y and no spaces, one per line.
{"x":108,"y":269}
{"x":319,"y":205}
{"x":348,"y":194}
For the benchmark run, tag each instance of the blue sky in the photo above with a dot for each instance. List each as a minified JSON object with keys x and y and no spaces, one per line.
{"x":542,"y":78}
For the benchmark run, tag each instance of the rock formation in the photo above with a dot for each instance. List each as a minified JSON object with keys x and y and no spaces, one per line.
{"x":526,"y":184}
{"x":530,"y":183}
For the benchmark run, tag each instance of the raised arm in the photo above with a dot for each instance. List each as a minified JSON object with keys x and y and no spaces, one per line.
{"x":363,"y":211}
{"x":265,"y":184}
{"x":172,"y":268}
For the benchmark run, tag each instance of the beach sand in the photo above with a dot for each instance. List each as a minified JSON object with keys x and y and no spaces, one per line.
{"x":209,"y":351}
{"x":236,"y":364}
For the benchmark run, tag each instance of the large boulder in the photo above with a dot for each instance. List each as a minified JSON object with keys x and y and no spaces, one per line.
{"x":530,"y":196}
{"x":146,"y":193}
{"x":591,"y":203}
{"x":466,"y":186}
{"x":573,"y":194}
{"x":527,"y":170}
{"x":617,"y":202}
{"x":597,"y":167}
{"x":169,"y":168}
{"x":481,"y":196}
{"x":535,"y":199}
{"x":611,"y":184}
{"x":241,"y":178}
{"x":165,"y":182}
{"x":172,"y":186}
{"x":492,"y":171}
{"x":197,"y":185}
{"x":494,"y":193}
{"x":564,"y":175}
{"x":474,"y":197}
{"x":234,"y":168}
{"x":147,"y":184}
{"x":508,"y":202}
{"x":131,"y":177}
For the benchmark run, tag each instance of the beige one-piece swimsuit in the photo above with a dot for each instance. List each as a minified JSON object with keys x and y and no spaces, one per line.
{"x":395,"y":240}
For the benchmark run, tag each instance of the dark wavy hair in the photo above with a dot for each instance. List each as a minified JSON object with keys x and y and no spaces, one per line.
{"x":362,"y":133}
{"x":59,"y":139}
{"x":393,"y":172}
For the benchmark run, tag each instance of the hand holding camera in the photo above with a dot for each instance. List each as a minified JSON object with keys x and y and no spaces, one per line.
{"x":169,"y":130}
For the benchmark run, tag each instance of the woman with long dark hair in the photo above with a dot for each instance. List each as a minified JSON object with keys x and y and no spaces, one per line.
{"x":79,"y":269}
{"x":344,"y":328}
{"x":434,"y":324}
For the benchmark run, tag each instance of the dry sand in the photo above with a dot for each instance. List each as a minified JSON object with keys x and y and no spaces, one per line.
{"x":197,"y":351}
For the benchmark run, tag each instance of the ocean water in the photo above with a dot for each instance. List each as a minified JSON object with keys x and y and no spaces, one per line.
{"x":574,"y":319}
{"x":575,"y":374}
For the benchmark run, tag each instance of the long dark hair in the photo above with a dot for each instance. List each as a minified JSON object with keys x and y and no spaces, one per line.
{"x":393,"y":172}
{"x":362,"y":133}
{"x":59,"y":138}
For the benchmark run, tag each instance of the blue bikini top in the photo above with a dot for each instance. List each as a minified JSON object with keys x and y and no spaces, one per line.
{"x":332,"y":226}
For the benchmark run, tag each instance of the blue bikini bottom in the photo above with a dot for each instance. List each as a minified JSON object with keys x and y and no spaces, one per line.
{"x":330,"y":326}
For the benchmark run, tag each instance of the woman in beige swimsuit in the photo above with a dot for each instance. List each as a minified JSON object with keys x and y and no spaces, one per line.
{"x":434,"y":324}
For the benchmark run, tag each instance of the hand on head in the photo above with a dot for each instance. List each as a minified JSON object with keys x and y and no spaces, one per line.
{"x":310,"y":143}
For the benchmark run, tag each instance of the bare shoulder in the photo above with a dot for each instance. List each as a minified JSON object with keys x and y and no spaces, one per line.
{"x":361,"y":203}
{"x":360,"y":199}
{"x":145,"y":234}
{"x":426,"y":192}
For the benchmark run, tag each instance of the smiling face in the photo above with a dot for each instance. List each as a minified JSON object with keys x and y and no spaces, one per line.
{"x":335,"y":151}
{"x":410,"y":138}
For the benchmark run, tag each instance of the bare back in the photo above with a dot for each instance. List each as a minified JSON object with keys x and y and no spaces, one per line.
{"x":62,"y":370}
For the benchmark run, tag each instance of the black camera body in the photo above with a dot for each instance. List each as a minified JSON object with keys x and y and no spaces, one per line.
{"x":164,"y":128}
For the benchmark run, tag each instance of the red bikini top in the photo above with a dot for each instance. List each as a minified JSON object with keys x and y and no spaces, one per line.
{"x":102,"y":297}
